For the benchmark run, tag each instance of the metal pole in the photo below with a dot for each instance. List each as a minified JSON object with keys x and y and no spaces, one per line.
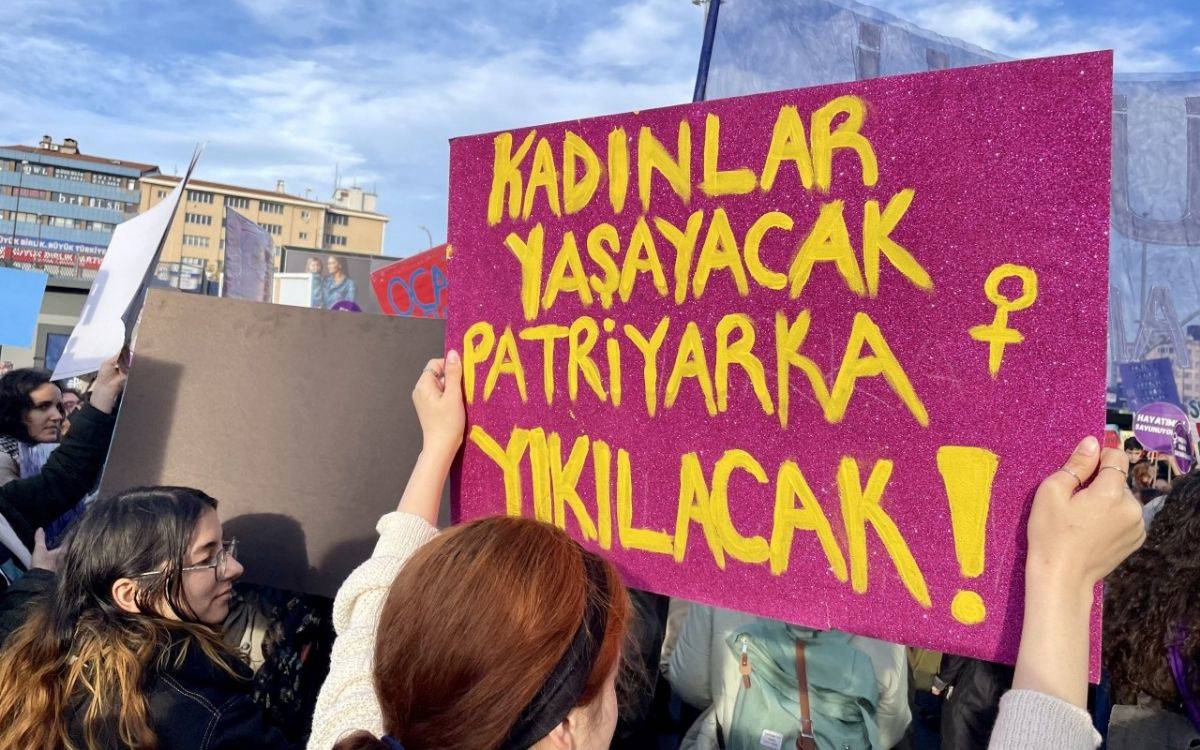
{"x":427,"y":234}
{"x":710,"y":32}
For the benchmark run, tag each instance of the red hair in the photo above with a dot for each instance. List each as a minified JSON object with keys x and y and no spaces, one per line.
{"x":475,"y":623}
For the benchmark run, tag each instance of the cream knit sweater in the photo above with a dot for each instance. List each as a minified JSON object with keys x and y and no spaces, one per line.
{"x":1027,"y":721}
{"x":1030,"y":720}
{"x":347,"y":701}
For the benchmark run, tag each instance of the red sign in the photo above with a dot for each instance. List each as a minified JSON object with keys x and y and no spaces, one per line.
{"x":415,"y":287}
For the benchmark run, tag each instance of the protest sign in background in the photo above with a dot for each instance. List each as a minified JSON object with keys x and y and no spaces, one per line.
{"x":249,"y":259}
{"x":21,"y":293}
{"x":788,"y":353}
{"x":415,"y":286}
{"x":115,"y":298}
{"x":1163,"y":427}
{"x":1147,"y":381}
{"x":287,"y":416}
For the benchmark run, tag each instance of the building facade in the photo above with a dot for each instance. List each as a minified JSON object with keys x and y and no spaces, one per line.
{"x":197,"y":234}
{"x":58,"y":207}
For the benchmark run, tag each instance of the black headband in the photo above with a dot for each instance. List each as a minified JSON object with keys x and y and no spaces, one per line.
{"x":565,"y":684}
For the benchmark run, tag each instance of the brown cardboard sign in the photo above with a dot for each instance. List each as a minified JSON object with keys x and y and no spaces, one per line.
{"x":299,"y":422}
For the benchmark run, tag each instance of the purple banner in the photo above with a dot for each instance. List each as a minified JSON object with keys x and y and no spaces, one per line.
{"x":249,"y":259}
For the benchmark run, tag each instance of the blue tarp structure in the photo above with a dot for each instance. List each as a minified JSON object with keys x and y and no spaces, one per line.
{"x":1154,"y":300}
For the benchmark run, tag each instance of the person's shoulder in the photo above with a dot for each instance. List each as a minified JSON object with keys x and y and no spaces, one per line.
{"x":9,"y":468}
{"x":881,"y":652}
{"x":189,"y":696}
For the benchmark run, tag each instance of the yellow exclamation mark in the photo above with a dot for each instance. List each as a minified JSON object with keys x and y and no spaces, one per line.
{"x":967,"y":474}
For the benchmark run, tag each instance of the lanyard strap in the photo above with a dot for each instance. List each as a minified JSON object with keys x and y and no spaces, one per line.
{"x":806,"y":740}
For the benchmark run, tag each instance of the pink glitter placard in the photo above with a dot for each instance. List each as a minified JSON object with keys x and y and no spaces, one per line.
{"x":1008,"y":164}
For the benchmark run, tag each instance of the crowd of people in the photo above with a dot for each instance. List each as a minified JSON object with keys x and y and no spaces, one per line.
{"x":505,"y":633}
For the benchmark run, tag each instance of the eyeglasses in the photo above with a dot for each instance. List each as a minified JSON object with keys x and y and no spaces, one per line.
{"x":219,"y":565}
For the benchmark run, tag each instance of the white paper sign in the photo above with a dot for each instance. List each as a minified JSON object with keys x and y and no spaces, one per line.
{"x":134,"y":246}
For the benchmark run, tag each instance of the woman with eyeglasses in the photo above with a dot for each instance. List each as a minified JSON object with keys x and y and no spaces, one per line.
{"x":124,"y":651}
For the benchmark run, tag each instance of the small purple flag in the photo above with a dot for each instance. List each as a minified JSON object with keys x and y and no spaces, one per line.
{"x":249,"y":259}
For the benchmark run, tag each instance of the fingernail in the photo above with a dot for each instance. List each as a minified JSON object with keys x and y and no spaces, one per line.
{"x":1089,"y":446}
{"x":452,"y":356}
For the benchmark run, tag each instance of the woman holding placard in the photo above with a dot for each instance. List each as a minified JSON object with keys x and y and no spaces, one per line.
{"x":501,"y":633}
{"x":485,"y":643}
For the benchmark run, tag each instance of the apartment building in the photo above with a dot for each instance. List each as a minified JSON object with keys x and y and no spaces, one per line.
{"x":348,"y":223}
{"x":58,"y":206}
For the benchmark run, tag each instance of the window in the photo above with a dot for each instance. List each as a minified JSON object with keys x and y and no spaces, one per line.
{"x":41,"y":169}
{"x":304,"y":235}
{"x":110,"y":180}
{"x":43,"y":195}
{"x":272,"y":228}
{"x":304,"y":215}
{"x":70,"y":174}
{"x":60,"y":221}
{"x":162,"y":193}
{"x":99,"y":226}
{"x":270,"y":208}
{"x":337,"y":219}
{"x":233,"y":202}
{"x":202,"y":219}
{"x":192,"y":240}
{"x":336,"y":241}
{"x":222,"y":244}
{"x":199,"y":196}
{"x":25,"y":216}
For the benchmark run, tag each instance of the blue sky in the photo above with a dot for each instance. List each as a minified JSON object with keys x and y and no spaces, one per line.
{"x":286,"y":89}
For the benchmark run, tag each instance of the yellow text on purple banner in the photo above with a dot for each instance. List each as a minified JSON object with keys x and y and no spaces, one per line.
{"x":805,"y":354}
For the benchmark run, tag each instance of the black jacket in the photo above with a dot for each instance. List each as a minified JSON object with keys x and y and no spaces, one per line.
{"x":69,"y":474}
{"x":199,"y":706}
{"x":15,"y":602}
{"x":970,"y":709}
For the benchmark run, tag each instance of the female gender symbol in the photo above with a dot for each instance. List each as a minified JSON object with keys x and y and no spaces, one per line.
{"x":998,"y":334}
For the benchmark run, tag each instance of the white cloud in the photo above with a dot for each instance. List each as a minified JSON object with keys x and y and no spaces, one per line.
{"x":301,"y":19}
{"x":977,"y":22}
{"x":381,"y":110}
{"x":1030,"y":28}
{"x":645,"y":33}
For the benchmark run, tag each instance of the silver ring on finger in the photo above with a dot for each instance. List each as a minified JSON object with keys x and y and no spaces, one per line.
{"x":1115,"y":468}
{"x":1078,"y":481}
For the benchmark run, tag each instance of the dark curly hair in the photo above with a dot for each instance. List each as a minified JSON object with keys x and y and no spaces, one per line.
{"x":15,"y":388}
{"x":1151,"y":596}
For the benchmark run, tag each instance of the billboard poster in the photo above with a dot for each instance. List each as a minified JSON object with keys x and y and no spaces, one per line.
{"x":337,"y":277}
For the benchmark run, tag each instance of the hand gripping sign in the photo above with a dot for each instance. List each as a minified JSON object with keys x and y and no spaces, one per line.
{"x":805,"y":354}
